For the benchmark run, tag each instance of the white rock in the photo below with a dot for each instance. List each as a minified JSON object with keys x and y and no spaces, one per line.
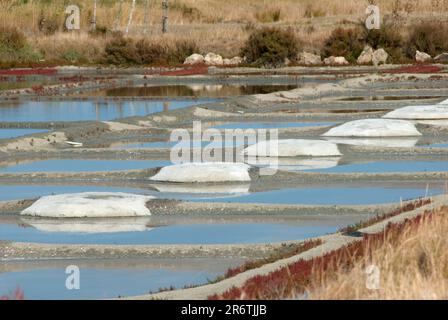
{"x":213,"y":59}
{"x":379,"y":57}
{"x":366,"y":55}
{"x":194,"y":59}
{"x":422,"y":56}
{"x":89,"y":225}
{"x":374,"y":128}
{"x":308,"y":59}
{"x":292,"y":148}
{"x":443,"y":57}
{"x":419,"y":113}
{"x":233,"y":62}
{"x":294,"y":164}
{"x":90,"y":205}
{"x":204,"y":172}
{"x":377,"y":142}
{"x":444,"y":102}
{"x":337,"y":61}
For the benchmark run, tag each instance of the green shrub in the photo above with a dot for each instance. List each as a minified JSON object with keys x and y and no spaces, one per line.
{"x":270,"y":47}
{"x":387,"y":37}
{"x":429,"y":37}
{"x":347,"y":43}
{"x":121,"y":51}
{"x":14,"y":47}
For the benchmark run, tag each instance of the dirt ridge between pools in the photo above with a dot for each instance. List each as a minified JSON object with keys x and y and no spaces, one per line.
{"x":331,"y":243}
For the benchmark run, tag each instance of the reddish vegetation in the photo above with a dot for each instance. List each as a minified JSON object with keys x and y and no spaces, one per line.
{"x":16,"y":295}
{"x":26,"y":72}
{"x":305,"y":246}
{"x":415,"y":69}
{"x":298,"y":277}
{"x":408,"y":207}
{"x":195,"y":70}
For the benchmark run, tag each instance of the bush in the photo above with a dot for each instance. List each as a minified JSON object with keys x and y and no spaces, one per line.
{"x":11,"y":38}
{"x":150,"y":53}
{"x":347,"y":43}
{"x":271,"y":15}
{"x":429,"y":37}
{"x":48,"y":25}
{"x":181,"y":50}
{"x":121,"y":51}
{"x":270,"y":47}
{"x":387,"y":37}
{"x":124,"y":51}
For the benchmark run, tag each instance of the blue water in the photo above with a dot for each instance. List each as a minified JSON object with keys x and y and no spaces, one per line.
{"x":14,"y":133}
{"x":83,"y":165}
{"x":180,"y":144}
{"x":435,"y":145}
{"x":332,"y":195}
{"x":88,"y":110}
{"x":268,"y":125}
{"x":389,"y":166}
{"x":227,"y":233}
{"x":103,"y":283}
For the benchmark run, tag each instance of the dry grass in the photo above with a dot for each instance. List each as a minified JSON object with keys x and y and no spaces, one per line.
{"x":216,"y":25}
{"x":416,"y":268}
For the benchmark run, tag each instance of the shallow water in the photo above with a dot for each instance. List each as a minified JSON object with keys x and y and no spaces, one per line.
{"x":102,"y":279}
{"x":389,"y":166}
{"x":64,"y":165}
{"x":269,"y":125}
{"x":333,"y":195}
{"x":435,"y":145}
{"x":35,"y":111}
{"x":194,"y":90}
{"x":14,"y":133}
{"x":142,"y":231}
{"x":389,"y":98}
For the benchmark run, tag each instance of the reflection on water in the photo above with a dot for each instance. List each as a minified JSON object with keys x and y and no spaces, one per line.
{"x":195,"y":90}
{"x":269,"y":125}
{"x":403,"y":142}
{"x":88,"y":110}
{"x":389,"y":166}
{"x":294,"y":164}
{"x":64,"y":165}
{"x":389,"y":98}
{"x":140,"y":231}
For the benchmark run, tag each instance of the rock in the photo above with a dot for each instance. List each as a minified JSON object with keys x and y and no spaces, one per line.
{"x":233,"y":62}
{"x":374,"y":128}
{"x":286,"y":62}
{"x":444,"y":102}
{"x":377,"y":142}
{"x":292,"y":148}
{"x":422,"y":56}
{"x":213,"y":59}
{"x":335,"y":61}
{"x":366,"y":56}
{"x":204,"y":172}
{"x":295,"y":164}
{"x":194,"y":59}
{"x":379,"y":57}
{"x":90,"y":205}
{"x":441,"y":57}
{"x":308,"y":59}
{"x":419,"y":113}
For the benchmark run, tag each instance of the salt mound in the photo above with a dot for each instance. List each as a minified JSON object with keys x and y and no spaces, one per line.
{"x":292,"y":148}
{"x":90,"y":205}
{"x":419,"y":112}
{"x":204,"y":172}
{"x":374,"y":128}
